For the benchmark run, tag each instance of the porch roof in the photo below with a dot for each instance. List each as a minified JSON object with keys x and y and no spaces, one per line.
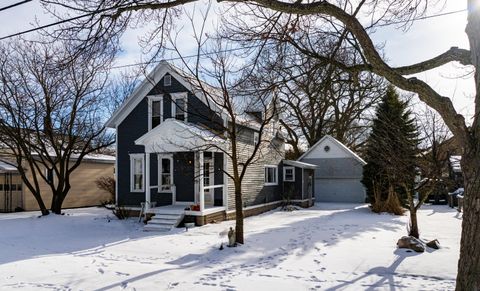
{"x":177,"y":136}
{"x":7,"y":168}
{"x":300,"y":164}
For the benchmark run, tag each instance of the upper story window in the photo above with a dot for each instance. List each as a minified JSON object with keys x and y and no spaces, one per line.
{"x":167,"y":80}
{"x":155,"y":111}
{"x":179,"y":106}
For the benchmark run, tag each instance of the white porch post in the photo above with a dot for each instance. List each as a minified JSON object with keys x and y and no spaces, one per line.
{"x":200,"y":182}
{"x":225,"y":181}
{"x":147,"y":181}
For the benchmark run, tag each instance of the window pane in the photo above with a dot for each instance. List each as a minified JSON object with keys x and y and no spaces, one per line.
{"x":180,"y":109}
{"x":166,"y":175}
{"x":156,"y":108}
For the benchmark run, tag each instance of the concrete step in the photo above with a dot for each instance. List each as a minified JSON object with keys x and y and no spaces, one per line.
{"x":165,"y":216}
{"x":163,"y":222}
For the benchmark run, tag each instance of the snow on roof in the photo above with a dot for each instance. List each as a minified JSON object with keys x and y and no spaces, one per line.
{"x":300,"y":164}
{"x":176,"y":136}
{"x":7,"y":167}
{"x":455,"y":163}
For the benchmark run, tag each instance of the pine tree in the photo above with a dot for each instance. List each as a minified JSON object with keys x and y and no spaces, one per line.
{"x":390,"y":154}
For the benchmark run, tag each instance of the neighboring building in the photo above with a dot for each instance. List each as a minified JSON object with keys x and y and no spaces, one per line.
{"x":171,"y":153}
{"x":338,"y":174}
{"x":14,"y":195}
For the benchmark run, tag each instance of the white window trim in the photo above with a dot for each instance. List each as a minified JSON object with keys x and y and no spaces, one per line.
{"x":176,"y":96}
{"x":169,"y":83}
{"x":150,"y":100}
{"x":256,"y":138}
{"x":285,"y":168}
{"x":132,"y":158}
{"x":276,"y":175}
{"x":159,"y":183}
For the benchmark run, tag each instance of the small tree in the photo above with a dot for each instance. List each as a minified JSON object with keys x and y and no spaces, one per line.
{"x":107,"y":184}
{"x":391,"y":155}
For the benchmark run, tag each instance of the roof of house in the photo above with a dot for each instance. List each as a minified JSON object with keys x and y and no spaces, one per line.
{"x":7,"y":167}
{"x":299,"y":164}
{"x":336,"y":142}
{"x":176,"y":136}
{"x":198,"y":88}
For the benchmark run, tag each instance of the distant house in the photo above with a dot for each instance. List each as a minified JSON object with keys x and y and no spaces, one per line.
{"x":14,"y":195}
{"x":338,"y":174}
{"x":166,"y":162}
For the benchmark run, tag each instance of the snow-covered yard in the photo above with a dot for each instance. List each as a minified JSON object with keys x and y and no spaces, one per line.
{"x":327,"y":247}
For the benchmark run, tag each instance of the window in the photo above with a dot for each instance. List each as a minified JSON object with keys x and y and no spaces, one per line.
{"x":165,"y":171}
{"x":271,"y":175}
{"x":136,"y":172}
{"x":255,"y":138}
{"x":167,"y":80}
{"x":289,"y":174}
{"x":179,"y":106}
{"x":155,"y":111}
{"x":49,"y":174}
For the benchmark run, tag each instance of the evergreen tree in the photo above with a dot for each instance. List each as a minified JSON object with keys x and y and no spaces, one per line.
{"x":390,"y":154}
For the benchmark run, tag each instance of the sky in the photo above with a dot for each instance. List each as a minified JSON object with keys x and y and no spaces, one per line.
{"x":425,"y":39}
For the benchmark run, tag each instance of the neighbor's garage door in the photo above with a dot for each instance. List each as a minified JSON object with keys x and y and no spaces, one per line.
{"x":339,"y":190}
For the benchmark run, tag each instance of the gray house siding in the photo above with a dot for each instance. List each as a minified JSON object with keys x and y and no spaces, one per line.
{"x":132,"y":127}
{"x":253,"y":186}
{"x":338,"y":180}
{"x":293,"y":190}
{"x":135,"y":125}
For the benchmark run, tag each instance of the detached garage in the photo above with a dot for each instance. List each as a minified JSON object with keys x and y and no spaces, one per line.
{"x":338,"y":174}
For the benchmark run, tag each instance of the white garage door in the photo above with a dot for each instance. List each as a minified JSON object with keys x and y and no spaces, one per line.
{"x":339,"y":190}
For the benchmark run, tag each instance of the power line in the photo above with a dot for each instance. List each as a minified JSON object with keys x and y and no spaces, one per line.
{"x":111,"y":8}
{"x":422,"y":18}
{"x":15,"y":5}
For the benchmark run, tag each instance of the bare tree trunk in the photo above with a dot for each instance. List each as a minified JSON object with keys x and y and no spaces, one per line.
{"x":41,"y":204}
{"x":468,"y":277}
{"x":238,"y":213}
{"x":413,"y":231}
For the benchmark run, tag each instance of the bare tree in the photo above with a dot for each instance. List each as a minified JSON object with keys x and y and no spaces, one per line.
{"x":345,"y":14}
{"x":51,"y":106}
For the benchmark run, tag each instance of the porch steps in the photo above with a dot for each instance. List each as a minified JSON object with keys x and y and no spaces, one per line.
{"x":164,"y":220}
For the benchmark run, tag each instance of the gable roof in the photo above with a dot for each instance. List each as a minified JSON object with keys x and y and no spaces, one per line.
{"x":299,"y":164}
{"x":336,"y":142}
{"x":142,"y":90}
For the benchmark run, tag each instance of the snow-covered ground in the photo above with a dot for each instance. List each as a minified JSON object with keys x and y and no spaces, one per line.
{"x":327,"y":247}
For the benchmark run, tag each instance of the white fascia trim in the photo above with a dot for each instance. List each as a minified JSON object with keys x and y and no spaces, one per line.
{"x":334,"y":140}
{"x":132,"y":157}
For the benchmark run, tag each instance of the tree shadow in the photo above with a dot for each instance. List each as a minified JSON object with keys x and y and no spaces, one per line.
{"x":386,"y":274}
{"x":27,"y":235}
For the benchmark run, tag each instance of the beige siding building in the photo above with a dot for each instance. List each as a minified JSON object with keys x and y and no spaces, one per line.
{"x":84,"y":192}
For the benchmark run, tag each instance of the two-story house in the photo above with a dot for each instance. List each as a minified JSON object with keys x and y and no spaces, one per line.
{"x":172,"y":156}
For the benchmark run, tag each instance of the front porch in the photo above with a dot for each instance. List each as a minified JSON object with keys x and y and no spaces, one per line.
{"x":185,"y":170}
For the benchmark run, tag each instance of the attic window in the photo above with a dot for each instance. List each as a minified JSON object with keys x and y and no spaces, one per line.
{"x":167,"y":80}
{"x":326,"y":148}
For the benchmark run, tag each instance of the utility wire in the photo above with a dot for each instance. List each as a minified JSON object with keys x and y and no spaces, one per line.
{"x":111,"y":8}
{"x":15,"y":5}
